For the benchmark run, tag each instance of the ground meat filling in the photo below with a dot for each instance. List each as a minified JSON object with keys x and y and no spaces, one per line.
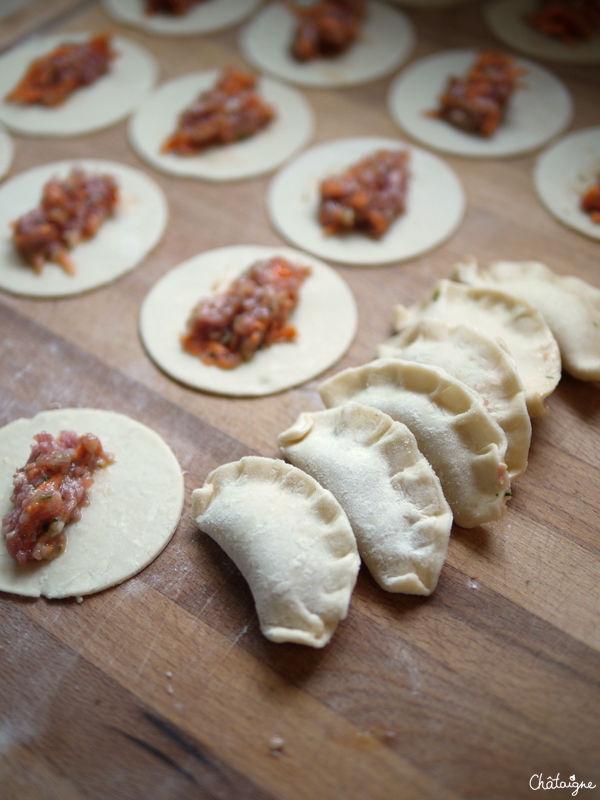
{"x":233,"y":110}
{"x":368,"y":197}
{"x":50,"y":80}
{"x":590,"y":202}
{"x":228,"y":328}
{"x":49,"y":492}
{"x":476,"y":102}
{"x":71,"y":211}
{"x":326,"y":28}
{"x":570,"y":21}
{"x":173,"y":7}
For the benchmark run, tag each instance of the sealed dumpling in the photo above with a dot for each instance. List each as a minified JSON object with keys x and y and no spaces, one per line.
{"x":570,"y":306}
{"x":453,"y":429}
{"x":389,"y":491}
{"x":499,"y":315}
{"x":291,"y":541}
{"x":480,"y":362}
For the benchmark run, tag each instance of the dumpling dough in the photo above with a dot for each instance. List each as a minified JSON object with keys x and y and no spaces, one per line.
{"x":135,"y":504}
{"x":290,"y":539}
{"x":480,"y":362}
{"x":453,"y":429}
{"x":499,"y":315}
{"x":570,"y":306}
{"x":392,"y":497}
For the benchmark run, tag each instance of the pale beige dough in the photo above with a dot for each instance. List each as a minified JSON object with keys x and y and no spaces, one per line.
{"x":323,"y":337}
{"x":483,"y":364}
{"x":290,"y":539}
{"x":505,"y":19}
{"x":157,"y":118}
{"x":454,"y":430}
{"x":435,"y":204}
{"x":562,"y":174}
{"x":135,"y":504}
{"x":500,"y":315}
{"x":392,"y":497}
{"x":121,"y":243}
{"x":570,"y":306}
{"x":539,"y":108}
{"x":386,"y":41}
{"x":104,"y":103}
{"x":212,"y":15}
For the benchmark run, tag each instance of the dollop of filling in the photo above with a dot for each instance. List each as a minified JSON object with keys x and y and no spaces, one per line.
{"x":590,"y":201}
{"x":49,"y":492}
{"x":51,"y":79}
{"x":228,"y":328}
{"x":326,"y":28}
{"x":71,"y":211}
{"x":233,"y":110}
{"x":368,"y":196}
{"x":569,"y":21}
{"x":476,"y":102}
{"x":172,"y":7}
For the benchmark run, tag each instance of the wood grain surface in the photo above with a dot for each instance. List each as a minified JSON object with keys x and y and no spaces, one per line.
{"x":163,"y":687}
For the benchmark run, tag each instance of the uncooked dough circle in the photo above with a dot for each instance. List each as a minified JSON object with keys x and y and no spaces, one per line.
{"x":386,"y":41}
{"x":202,"y":18}
{"x":562,"y":174}
{"x":135,"y":504}
{"x":539,"y":108}
{"x":121,"y":243}
{"x":325,"y":318}
{"x":7,"y":151}
{"x":435,"y":204}
{"x":104,"y":103}
{"x":157,"y":118}
{"x":505,"y":20}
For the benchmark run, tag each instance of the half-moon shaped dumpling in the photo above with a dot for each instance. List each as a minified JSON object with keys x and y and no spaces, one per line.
{"x":498,"y":314}
{"x":480,"y":362}
{"x":453,"y":429}
{"x":291,"y":541}
{"x":390,"y":493}
{"x":570,"y":306}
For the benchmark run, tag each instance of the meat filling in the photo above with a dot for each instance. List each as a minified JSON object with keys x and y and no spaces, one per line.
{"x":71,"y":211}
{"x":228,"y":328}
{"x":590,"y":202}
{"x":50,"y":80}
{"x":476,"y":103}
{"x":49,"y":492}
{"x":173,"y":7}
{"x":233,"y":110}
{"x":326,"y":28}
{"x":367,"y":197}
{"x":570,"y":21}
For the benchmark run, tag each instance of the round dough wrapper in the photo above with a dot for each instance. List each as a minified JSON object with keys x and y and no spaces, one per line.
{"x":104,"y":103}
{"x":435,"y":204}
{"x":135,"y":504}
{"x":505,"y":18}
{"x":7,"y":151}
{"x":539,"y":108}
{"x":212,"y":15}
{"x":562,"y":174}
{"x":386,"y":41}
{"x":325,"y":319}
{"x":157,"y":119}
{"x":121,"y":243}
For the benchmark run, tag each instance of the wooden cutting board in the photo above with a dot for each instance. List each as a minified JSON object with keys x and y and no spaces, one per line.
{"x":163,"y":687}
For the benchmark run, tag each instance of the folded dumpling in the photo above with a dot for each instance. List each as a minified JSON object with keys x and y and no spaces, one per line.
{"x":480,"y":362}
{"x":499,"y":315}
{"x":453,"y":429}
{"x":290,"y":539}
{"x":389,"y":491}
{"x":570,"y":306}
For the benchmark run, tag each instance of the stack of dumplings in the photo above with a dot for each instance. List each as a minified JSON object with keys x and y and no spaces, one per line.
{"x":431,"y":432}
